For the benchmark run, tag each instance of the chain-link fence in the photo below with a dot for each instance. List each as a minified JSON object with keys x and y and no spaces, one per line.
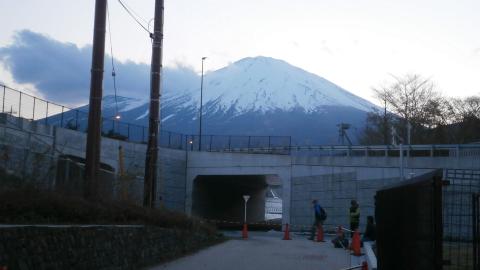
{"x":461,"y":220}
{"x":22,"y":105}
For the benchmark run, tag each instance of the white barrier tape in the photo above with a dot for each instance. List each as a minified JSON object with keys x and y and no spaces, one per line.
{"x":291,"y":226}
{"x":240,"y":223}
{"x":353,"y":267}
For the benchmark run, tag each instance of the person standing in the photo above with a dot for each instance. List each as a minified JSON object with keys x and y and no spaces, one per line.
{"x":370,"y":230}
{"x":354,"y":216}
{"x":320,"y":216}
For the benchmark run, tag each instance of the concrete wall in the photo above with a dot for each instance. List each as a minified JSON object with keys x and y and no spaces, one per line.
{"x":335,"y":181}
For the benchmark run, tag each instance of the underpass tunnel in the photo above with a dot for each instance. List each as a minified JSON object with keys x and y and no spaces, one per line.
{"x":220,"y":197}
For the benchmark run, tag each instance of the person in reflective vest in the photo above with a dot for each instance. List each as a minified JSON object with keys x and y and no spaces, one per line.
{"x":354,"y":216}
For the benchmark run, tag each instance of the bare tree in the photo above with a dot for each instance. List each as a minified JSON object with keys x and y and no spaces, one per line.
{"x":415,"y":102}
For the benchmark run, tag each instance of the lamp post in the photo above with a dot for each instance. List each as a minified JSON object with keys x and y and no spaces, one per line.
{"x":245,"y":229}
{"x":201,"y":107}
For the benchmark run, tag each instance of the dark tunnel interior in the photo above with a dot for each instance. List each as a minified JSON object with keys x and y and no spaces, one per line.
{"x":220,"y":197}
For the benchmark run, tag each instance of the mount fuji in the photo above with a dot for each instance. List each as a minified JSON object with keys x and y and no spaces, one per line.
{"x":253,"y":96}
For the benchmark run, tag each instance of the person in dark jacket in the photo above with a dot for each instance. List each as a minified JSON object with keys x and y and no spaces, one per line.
{"x":340,"y":241}
{"x":319,"y":218}
{"x":354,"y":216}
{"x":370,"y":230}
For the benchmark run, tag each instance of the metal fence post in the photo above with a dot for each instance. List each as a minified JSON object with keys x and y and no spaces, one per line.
{"x":46,"y":115}
{"x":229,"y":141}
{"x":211,"y":139}
{"x":248,"y":147}
{"x":128,"y":131}
{"x":169,"y":138}
{"x":475,"y":229}
{"x":33,"y":113}
{"x":20,"y":105}
{"x":76,"y":119}
{"x":61,"y":118}
{"x":289,"y":144}
{"x":3,"y":102}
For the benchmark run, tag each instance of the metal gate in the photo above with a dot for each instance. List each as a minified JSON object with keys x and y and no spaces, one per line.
{"x":409,"y":224}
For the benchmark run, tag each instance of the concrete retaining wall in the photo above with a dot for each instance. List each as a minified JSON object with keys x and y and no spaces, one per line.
{"x":33,"y":152}
{"x":334,"y":188}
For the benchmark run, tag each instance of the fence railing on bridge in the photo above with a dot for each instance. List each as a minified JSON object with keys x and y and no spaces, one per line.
{"x":427,"y":150}
{"x":22,"y":105}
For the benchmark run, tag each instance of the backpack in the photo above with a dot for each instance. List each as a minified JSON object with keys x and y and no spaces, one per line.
{"x":323,"y":214}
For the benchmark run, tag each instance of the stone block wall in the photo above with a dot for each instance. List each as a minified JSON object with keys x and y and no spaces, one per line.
{"x":94,"y":247}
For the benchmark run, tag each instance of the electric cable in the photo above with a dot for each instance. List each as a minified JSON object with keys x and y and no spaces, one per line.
{"x":117,"y":116}
{"x":132,"y":14}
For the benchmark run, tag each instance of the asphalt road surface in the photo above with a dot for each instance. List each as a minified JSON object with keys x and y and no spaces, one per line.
{"x":264,"y":250}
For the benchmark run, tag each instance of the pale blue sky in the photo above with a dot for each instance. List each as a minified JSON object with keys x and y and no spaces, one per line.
{"x":353,"y":43}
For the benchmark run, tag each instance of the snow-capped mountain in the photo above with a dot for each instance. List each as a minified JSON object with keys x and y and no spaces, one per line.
{"x":265,"y":84}
{"x":253,"y":96}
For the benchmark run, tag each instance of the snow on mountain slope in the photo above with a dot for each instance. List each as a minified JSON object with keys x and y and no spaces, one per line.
{"x":265,"y":84}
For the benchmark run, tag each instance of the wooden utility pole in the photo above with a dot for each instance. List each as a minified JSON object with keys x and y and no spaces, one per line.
{"x":153,"y":127}
{"x":92,"y":164}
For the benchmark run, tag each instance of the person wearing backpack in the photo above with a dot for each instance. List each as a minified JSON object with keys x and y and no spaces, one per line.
{"x":320,"y":217}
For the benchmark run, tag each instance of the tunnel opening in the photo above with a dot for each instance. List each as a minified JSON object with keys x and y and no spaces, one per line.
{"x":220,"y":197}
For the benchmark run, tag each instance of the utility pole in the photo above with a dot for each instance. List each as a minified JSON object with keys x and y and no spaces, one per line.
{"x":153,"y":127}
{"x":92,"y":163}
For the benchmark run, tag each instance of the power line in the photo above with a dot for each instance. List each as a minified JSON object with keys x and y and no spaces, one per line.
{"x":135,"y":13}
{"x":113,"y":64}
{"x":132,"y":14}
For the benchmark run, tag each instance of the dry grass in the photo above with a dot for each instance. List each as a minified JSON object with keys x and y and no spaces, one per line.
{"x":26,"y":204}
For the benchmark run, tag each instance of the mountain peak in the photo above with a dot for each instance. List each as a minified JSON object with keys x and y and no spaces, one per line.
{"x":259,"y":59}
{"x":264,"y":84}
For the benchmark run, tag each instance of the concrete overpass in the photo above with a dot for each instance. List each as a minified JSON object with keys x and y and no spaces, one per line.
{"x":210,"y":184}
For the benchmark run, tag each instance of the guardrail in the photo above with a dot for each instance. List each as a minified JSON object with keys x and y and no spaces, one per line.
{"x":426,"y":150}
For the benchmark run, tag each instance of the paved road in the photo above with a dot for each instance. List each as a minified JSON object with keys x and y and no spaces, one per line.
{"x":263,"y":251}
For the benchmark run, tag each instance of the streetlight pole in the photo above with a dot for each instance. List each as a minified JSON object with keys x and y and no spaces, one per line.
{"x":201,"y":107}
{"x":245,"y":228}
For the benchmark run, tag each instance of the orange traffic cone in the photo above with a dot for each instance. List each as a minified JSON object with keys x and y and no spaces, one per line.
{"x":356,"y":243}
{"x":320,"y":233}
{"x":286,"y":235}
{"x":245,"y":231}
{"x":364,"y":265}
